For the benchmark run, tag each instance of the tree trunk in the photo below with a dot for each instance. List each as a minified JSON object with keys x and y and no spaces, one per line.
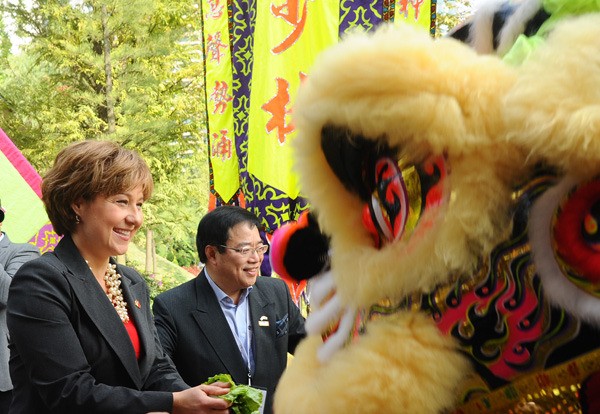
{"x":149,"y":252}
{"x":110,"y":104}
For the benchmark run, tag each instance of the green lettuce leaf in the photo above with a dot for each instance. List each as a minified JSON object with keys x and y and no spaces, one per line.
{"x":243,"y":398}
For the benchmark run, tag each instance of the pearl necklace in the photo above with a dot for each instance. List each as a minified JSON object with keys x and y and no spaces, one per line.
{"x":114,"y":292}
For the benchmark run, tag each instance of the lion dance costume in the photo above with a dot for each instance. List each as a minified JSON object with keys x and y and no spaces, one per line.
{"x":454,"y":232}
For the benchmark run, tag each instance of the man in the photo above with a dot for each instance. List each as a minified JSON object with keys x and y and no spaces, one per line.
{"x":12,"y":256}
{"x":230,"y":320}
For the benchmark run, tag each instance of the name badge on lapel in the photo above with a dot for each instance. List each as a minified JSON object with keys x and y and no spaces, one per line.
{"x":263,"y":321}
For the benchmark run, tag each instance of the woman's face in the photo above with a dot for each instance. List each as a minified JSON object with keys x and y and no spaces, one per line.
{"x":107,"y":224}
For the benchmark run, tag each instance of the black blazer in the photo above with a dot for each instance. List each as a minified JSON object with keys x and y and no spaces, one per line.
{"x":195,"y":333}
{"x":70,"y":352}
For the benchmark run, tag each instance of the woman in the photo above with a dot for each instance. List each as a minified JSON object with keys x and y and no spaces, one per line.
{"x":82,"y":334}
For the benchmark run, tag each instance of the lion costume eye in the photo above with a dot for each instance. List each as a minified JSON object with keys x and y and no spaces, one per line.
{"x":389,"y":204}
{"x":402,"y":194}
{"x":576,"y":238}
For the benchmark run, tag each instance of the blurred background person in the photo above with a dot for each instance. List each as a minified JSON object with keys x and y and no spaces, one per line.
{"x":82,"y":335}
{"x":12,"y":256}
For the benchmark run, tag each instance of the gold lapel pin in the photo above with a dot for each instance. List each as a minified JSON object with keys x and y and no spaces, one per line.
{"x":263,"y":321}
{"x":137,"y":303}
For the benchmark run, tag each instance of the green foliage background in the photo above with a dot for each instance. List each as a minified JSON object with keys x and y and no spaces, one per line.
{"x":450,"y":13}
{"x":127,"y":71}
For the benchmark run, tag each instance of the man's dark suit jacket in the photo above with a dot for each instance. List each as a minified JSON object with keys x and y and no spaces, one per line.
{"x":70,"y":352}
{"x":195,"y":333}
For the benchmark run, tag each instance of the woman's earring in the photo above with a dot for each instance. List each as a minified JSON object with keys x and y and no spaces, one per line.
{"x":77,"y":219}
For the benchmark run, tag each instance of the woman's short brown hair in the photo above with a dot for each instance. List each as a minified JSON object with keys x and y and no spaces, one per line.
{"x":84,"y":170}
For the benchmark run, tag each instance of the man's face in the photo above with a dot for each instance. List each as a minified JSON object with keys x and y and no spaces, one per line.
{"x":234,"y":270}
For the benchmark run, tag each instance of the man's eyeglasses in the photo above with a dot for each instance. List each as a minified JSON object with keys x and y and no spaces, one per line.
{"x":245,"y":251}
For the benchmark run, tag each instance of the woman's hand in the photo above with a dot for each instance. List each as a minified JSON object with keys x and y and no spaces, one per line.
{"x":201,"y":399}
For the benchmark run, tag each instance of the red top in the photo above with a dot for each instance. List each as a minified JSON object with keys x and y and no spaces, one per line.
{"x":133,"y":335}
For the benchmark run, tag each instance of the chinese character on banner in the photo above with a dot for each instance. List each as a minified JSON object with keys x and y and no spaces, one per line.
{"x":221,"y":145}
{"x":220,"y":97}
{"x":289,"y":11}
{"x":215,"y":9}
{"x":214,"y":47}
{"x":277,"y":107}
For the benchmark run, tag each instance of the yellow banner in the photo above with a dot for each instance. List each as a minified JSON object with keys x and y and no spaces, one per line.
{"x":414,"y":12}
{"x":219,"y":91}
{"x":289,"y":34}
